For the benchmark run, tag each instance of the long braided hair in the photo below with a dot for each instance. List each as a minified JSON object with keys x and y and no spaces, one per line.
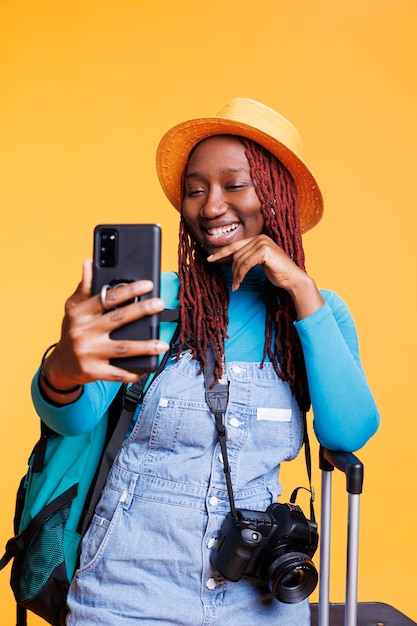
{"x":203,"y":292}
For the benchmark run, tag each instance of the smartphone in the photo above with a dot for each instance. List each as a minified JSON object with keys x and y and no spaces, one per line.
{"x":123,"y":253}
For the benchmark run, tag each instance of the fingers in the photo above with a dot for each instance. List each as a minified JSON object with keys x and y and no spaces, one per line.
{"x":98,"y":366}
{"x":119,"y":349}
{"x":110,"y":298}
{"x":244,"y":259}
{"x":82,"y":304}
{"x":121,"y":315}
{"x":261,"y":250}
{"x":227,"y":251}
{"x":122,"y":308}
{"x":244,"y":255}
{"x":86,"y":343}
{"x":87,"y":277}
{"x":83,"y":290}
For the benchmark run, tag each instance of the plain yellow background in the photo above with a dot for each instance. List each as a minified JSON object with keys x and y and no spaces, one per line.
{"x":89,"y":87}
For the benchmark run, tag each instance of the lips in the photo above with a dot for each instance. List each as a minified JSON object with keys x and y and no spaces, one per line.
{"x":220,"y":231}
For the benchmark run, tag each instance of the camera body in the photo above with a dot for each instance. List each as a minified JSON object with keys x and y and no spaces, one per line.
{"x":275,"y":545}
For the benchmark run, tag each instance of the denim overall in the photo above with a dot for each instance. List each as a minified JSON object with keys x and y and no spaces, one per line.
{"x":146,"y":556}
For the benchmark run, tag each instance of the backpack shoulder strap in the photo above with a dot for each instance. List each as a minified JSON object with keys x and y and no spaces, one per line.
{"x":127,"y":399}
{"x":130,"y":398}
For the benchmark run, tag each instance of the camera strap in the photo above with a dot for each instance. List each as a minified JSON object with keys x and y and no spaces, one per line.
{"x":217,"y":398}
{"x":307,"y":453}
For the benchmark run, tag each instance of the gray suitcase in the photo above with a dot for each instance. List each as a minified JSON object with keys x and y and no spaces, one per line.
{"x":351,"y":613}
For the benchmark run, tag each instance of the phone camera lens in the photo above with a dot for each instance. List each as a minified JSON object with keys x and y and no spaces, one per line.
{"x":108,"y":248}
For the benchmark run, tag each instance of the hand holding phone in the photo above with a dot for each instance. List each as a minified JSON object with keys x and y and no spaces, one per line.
{"x":124,"y":253}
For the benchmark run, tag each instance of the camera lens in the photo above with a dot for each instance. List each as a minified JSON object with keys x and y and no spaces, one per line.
{"x":291,"y":577}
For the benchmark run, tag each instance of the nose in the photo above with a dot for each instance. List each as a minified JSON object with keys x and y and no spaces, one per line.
{"x":213,"y":203}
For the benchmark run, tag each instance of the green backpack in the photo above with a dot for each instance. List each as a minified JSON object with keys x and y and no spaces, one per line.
{"x":56,"y":501}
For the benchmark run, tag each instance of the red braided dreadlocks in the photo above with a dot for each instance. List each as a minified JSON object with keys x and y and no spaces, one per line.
{"x":203,"y":293}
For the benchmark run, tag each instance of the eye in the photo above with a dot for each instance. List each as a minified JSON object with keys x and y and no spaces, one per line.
{"x":236,"y":186}
{"x":194,"y":191}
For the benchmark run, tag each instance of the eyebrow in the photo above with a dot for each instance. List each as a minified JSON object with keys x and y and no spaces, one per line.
{"x":226,"y":170}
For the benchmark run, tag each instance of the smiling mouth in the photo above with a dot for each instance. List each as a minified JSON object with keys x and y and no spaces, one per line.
{"x":222,"y":230}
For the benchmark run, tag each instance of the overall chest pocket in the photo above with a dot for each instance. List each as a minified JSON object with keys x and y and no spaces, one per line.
{"x":269,"y":412}
{"x":182,"y":440}
{"x":179,"y":424}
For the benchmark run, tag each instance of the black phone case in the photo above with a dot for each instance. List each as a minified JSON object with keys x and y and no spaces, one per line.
{"x":137,"y":256}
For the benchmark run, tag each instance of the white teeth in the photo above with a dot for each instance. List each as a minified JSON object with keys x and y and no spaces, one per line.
{"x":218,"y":232}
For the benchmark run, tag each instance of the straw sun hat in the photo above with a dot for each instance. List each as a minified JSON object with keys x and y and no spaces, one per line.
{"x":252,"y":120}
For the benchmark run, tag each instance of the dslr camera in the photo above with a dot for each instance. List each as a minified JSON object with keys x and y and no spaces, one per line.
{"x":275,"y":546}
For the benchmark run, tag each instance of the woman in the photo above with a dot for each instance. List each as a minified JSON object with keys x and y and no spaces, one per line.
{"x":245,"y":299}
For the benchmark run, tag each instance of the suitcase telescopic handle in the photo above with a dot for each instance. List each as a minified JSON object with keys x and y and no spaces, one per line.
{"x":352,"y":467}
{"x":345,"y":462}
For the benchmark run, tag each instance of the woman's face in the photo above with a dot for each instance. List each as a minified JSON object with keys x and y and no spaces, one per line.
{"x":220,"y":203}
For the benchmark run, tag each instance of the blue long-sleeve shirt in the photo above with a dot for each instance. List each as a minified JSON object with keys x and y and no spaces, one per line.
{"x":345,"y":413}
